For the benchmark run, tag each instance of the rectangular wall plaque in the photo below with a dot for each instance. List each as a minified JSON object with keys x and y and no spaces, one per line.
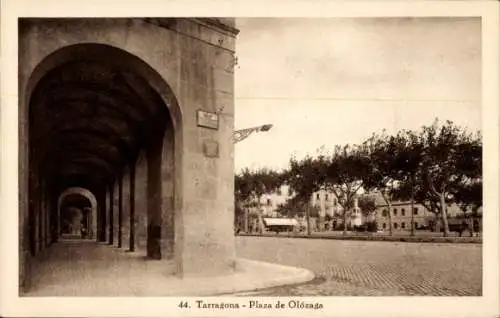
{"x":208,"y":120}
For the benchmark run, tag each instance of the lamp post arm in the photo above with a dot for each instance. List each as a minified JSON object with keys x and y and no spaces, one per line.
{"x":242,"y":134}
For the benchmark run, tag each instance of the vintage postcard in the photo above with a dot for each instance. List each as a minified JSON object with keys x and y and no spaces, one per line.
{"x":304,"y":158}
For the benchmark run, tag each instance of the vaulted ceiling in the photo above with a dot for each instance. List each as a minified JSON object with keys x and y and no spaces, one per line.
{"x":89,"y":119}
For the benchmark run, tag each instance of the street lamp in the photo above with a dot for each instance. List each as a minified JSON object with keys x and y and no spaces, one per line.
{"x":242,"y":134}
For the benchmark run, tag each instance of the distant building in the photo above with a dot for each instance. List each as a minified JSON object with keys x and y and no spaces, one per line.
{"x":270,"y":202}
{"x":331,"y":212}
{"x":402,"y":215}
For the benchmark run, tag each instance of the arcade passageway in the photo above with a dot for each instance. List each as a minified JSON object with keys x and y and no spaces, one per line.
{"x":95,"y":129}
{"x":111,"y":154}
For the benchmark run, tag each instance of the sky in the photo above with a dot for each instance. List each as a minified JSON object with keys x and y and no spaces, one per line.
{"x":328,"y":81}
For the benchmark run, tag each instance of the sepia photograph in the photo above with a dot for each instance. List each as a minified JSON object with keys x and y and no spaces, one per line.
{"x":251,"y":163}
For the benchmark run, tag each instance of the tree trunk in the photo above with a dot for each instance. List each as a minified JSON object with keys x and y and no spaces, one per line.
{"x":444,"y":216}
{"x":471,"y":225}
{"x":345,"y":221}
{"x":260,"y":221}
{"x":412,"y":206}
{"x":412,"y":233}
{"x":246,"y":219}
{"x":308,"y":221}
{"x":389,"y":206}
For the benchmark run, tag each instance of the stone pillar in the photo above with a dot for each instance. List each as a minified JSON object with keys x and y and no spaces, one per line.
{"x":141,"y":203}
{"x":120,"y":210}
{"x":154,"y":197}
{"x":132,"y":208}
{"x":125,"y":222}
{"x":48,"y":238}
{"x":94,"y":212}
{"x":204,"y":169}
{"x":110,"y":214}
{"x":167,"y":196}
{"x":116,"y":205}
{"x":59,"y":220}
{"x":36,"y":219}
{"x":101,"y":211}
{"x":43,"y":219}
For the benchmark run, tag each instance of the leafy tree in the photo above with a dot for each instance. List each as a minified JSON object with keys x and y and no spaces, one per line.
{"x":243,"y":194}
{"x":470,"y":199}
{"x":293,"y":207}
{"x":367,"y":205}
{"x":343,"y":175}
{"x":263,"y":181}
{"x":379,"y":151}
{"x":408,"y":158}
{"x":470,"y":196}
{"x":305,"y":177}
{"x":451,"y":158}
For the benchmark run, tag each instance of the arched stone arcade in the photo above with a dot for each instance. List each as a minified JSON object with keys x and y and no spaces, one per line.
{"x":102,"y":111}
{"x":90,"y":215}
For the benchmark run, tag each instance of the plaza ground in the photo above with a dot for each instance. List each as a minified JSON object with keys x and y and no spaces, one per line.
{"x":85,"y":268}
{"x":363,"y":268}
{"x":341,"y":268}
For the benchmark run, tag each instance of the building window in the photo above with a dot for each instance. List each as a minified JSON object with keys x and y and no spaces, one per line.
{"x":384,"y":213}
{"x":384,"y":226}
{"x":334,"y":201}
{"x":395,"y":225}
{"x":268,"y":201}
{"x":395,"y":211}
{"x":326,"y":197}
{"x":415,"y":211}
{"x":317,"y":196}
{"x":403,"y":225}
{"x":402,"y":212}
{"x":416,"y":224}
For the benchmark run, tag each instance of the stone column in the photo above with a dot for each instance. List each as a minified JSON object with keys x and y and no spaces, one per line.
{"x":154,"y":197}
{"x":120,"y":209}
{"x":101,"y":211}
{"x":43,"y":219}
{"x":132,"y":208}
{"x":167,"y":196}
{"x":94,"y":212}
{"x":204,"y":167}
{"x":116,"y":206}
{"x":110,"y":214}
{"x":36,"y":219}
{"x":58,"y":217}
{"x":125,"y":222}
{"x":48,"y":207}
{"x":141,"y":203}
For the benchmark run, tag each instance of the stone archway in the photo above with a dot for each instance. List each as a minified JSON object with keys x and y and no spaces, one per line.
{"x":100,"y":108}
{"x":112,"y":108}
{"x":93,"y":203}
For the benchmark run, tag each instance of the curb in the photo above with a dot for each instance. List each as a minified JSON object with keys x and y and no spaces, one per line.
{"x":410,"y":239}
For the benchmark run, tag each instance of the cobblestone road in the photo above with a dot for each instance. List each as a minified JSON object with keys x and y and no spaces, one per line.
{"x":360,"y":268}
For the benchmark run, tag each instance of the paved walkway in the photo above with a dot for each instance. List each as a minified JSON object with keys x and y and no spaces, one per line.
{"x":86,"y":268}
{"x":351,"y":268}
